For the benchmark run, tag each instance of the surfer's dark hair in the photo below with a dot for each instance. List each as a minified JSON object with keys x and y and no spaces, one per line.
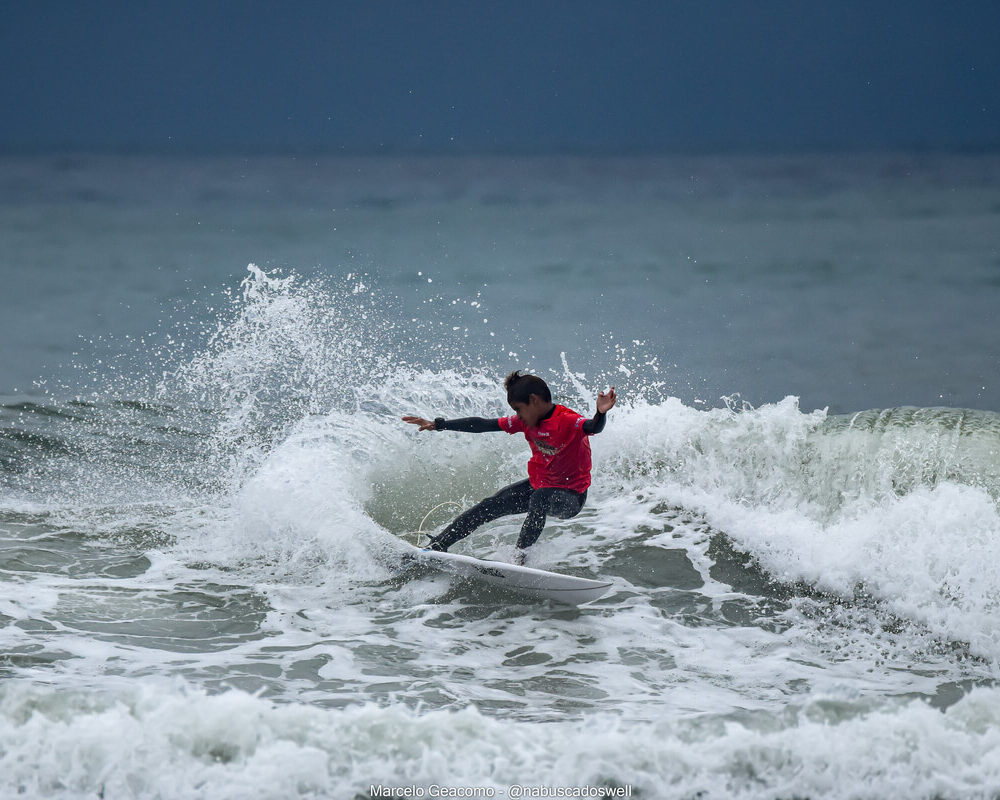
{"x":520,"y":388}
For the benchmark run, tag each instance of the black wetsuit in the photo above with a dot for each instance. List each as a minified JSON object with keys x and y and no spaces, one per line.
{"x":518,"y":498}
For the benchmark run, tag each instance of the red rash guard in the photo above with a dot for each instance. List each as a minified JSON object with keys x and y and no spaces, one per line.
{"x":560,"y":450}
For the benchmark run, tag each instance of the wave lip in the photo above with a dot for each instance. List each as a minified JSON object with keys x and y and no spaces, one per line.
{"x":902,"y":506}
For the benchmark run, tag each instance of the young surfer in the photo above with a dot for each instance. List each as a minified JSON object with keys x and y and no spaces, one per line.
{"x":559,"y":468}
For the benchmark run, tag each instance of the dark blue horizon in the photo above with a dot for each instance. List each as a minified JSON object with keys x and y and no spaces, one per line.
{"x":447,"y":77}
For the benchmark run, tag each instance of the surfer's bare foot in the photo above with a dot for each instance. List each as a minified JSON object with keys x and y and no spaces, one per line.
{"x":519,"y":557}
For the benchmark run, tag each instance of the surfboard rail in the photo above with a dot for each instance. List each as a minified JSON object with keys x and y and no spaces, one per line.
{"x":530,"y":581}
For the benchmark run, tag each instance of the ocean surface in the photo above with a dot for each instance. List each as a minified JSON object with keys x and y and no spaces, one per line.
{"x":205,"y":485}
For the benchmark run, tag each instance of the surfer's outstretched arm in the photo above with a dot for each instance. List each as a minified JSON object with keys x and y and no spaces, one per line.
{"x":465,"y":424}
{"x":605,"y":402}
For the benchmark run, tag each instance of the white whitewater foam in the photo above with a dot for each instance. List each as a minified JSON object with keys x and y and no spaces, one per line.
{"x":176,"y":742}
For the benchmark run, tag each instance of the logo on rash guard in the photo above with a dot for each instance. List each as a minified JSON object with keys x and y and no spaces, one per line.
{"x":547,"y":449}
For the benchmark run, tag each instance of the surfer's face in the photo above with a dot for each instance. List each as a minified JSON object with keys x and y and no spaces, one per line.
{"x":529,"y":413}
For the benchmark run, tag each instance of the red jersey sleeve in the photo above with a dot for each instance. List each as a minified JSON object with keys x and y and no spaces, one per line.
{"x":511,"y":424}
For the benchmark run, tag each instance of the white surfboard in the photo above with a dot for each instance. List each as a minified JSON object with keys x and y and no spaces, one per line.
{"x":523,"y":580}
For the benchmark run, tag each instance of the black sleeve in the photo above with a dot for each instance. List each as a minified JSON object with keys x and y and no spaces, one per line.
{"x":468,"y":425}
{"x":595,"y":425}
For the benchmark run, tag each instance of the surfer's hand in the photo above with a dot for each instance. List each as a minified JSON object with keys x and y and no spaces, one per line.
{"x":606,"y":400}
{"x":425,"y":424}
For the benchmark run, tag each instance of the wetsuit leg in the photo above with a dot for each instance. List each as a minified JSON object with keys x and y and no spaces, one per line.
{"x":561,"y":503}
{"x":511,"y":499}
